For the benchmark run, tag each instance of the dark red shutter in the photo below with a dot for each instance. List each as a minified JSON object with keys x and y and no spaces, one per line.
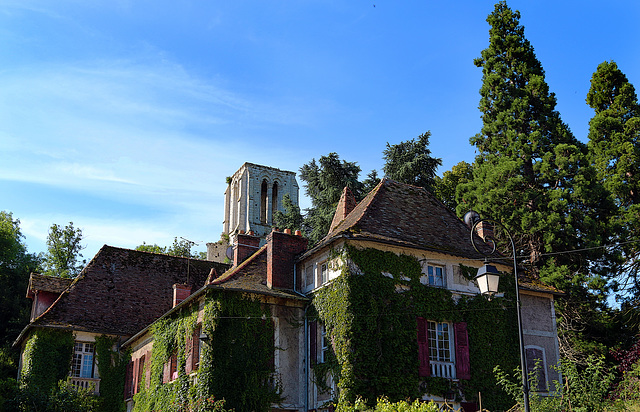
{"x":134,"y":383}
{"x":166,"y":371}
{"x":195,"y":350}
{"x":188,"y":367}
{"x":463,"y":367}
{"x":128,"y":380}
{"x":424,"y":369}
{"x":313,"y":342}
{"x":147,"y":370}
{"x":141,"y":363}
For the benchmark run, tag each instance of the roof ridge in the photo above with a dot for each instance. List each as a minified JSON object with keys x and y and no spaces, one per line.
{"x":232,"y":271}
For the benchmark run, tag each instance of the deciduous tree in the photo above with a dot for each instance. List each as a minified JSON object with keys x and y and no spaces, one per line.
{"x":63,"y":251}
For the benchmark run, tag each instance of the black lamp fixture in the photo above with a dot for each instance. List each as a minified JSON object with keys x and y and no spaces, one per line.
{"x":488,"y":278}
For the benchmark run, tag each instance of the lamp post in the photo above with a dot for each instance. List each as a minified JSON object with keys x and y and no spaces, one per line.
{"x":488,"y":278}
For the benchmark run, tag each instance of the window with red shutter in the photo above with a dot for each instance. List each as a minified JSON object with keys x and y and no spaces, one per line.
{"x":463,"y":366}
{"x":188,"y":366}
{"x":424,"y":368}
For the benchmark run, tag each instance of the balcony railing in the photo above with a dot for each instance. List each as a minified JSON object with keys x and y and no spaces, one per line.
{"x":443,"y":369}
{"x":87,"y":383}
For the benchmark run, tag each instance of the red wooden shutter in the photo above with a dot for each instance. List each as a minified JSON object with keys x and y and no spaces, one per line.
{"x":147,"y":370}
{"x":463,"y":367}
{"x":313,"y":342}
{"x":195,"y":349}
{"x":141,"y":363}
{"x":128,"y":380}
{"x":424,"y":369}
{"x":166,"y":371}
{"x":134,"y":383}
{"x":188,"y":367}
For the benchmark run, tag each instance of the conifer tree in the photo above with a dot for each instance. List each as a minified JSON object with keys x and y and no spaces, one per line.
{"x":411,"y":162}
{"x":614,"y":148}
{"x":324,"y":182}
{"x":531,"y":174}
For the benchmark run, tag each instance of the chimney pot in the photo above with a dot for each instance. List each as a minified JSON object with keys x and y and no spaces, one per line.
{"x":298,"y":233}
{"x":287,"y":231}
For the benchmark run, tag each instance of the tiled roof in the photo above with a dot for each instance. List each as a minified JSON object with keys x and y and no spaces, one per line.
{"x":121,"y":291}
{"x":250,"y":276}
{"x":47,"y":283}
{"x":406,"y":215}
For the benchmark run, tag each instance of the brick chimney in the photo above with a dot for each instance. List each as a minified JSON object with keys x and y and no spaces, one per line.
{"x":246,"y":245}
{"x":345,"y":205}
{"x":282,"y":248}
{"x":180,"y":293}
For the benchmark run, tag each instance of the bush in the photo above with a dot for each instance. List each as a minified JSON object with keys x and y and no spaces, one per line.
{"x":63,"y":398}
{"x":384,"y":405}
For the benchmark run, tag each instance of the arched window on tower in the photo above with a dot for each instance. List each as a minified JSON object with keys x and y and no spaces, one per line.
{"x":263,"y":202}
{"x":274,"y":199}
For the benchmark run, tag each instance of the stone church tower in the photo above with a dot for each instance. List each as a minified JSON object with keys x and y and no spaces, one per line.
{"x":253,"y":195}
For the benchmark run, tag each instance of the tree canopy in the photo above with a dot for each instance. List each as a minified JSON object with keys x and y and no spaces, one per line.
{"x":411,"y":162}
{"x":614,"y":148}
{"x":63,"y":251}
{"x":324,"y":182}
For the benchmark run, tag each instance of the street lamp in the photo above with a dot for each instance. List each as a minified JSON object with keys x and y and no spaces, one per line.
{"x":488,"y":278}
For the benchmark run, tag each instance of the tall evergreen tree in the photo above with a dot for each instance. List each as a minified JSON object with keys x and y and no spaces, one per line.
{"x":445,"y":187}
{"x":324,"y":182}
{"x":531,"y":174}
{"x":614,"y":147}
{"x":411,"y":162}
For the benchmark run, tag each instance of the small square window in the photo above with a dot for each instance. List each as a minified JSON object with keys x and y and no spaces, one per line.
{"x":434,"y":276}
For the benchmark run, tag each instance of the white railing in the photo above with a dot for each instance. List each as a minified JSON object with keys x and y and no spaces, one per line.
{"x":443,"y":369}
{"x":87,"y":383}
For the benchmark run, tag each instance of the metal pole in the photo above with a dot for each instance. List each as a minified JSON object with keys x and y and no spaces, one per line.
{"x":523,"y":364}
{"x":473,"y":222}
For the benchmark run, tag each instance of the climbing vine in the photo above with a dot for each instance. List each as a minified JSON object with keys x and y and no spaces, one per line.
{"x":112,"y":367}
{"x":235,"y":363}
{"x":47,"y":359}
{"x":370,"y":314}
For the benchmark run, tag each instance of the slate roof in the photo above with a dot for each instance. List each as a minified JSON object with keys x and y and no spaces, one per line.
{"x":47,"y":284}
{"x":406,"y":215}
{"x":121,"y":291}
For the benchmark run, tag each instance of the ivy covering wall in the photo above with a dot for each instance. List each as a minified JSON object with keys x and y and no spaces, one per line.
{"x":371,"y":321}
{"x":236,"y":364}
{"x":46,"y":359}
{"x":112,"y":366}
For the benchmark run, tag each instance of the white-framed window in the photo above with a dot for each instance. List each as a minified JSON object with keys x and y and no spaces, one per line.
{"x":433,"y":276}
{"x":83,"y":363}
{"x":324,"y":273}
{"x":441,"y":353}
{"x":324,"y":344}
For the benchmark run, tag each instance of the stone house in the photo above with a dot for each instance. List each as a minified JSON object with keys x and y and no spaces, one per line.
{"x":385,"y":304}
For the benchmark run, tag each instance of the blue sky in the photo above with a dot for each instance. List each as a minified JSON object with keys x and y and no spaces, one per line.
{"x":125,"y":117}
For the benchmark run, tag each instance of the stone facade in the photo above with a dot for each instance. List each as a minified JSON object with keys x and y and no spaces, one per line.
{"x":254,"y":193}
